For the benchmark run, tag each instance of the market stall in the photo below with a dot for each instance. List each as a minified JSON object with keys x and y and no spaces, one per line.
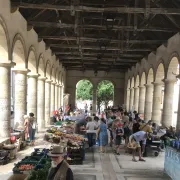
{"x":32,"y":167}
{"x":64,"y":136}
{"x":172,"y":159}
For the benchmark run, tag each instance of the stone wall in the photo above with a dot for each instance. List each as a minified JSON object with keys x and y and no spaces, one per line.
{"x":117,"y":78}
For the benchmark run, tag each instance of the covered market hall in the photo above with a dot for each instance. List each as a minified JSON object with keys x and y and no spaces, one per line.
{"x":47,"y":47}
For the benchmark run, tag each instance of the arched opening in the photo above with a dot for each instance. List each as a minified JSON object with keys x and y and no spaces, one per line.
{"x":149,"y":95}
{"x":131,"y":106}
{"x":142,"y":92}
{"x":48,"y":71}
{"x":173,"y":71}
{"x":41,"y":67}
{"x":136,"y":94}
{"x":128,"y":95}
{"x":32,"y":83}
{"x":84,"y":95}
{"x":3,"y":46}
{"x":105,"y":95}
{"x":159,"y":92}
{"x":19,"y":82}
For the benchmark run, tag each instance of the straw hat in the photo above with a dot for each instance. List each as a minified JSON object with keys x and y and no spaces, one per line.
{"x":57,"y":151}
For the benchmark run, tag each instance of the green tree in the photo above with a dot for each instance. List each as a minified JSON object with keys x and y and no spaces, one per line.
{"x":105,"y":93}
{"x":84,"y":90}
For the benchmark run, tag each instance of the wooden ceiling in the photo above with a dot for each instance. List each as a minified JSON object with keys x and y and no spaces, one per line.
{"x":108,"y":35}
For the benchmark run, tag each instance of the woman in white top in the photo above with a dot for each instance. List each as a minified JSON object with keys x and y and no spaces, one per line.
{"x":91,"y":131}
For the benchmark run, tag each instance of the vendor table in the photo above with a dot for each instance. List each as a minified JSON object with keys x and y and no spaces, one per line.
{"x":172,"y":163}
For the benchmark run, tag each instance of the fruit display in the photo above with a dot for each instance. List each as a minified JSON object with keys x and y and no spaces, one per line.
{"x":37,"y":160}
{"x":26,"y":167}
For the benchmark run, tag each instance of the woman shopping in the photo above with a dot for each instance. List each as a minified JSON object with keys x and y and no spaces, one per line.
{"x":102,"y":135}
{"x":32,"y":128}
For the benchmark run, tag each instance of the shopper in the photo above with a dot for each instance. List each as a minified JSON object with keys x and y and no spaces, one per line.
{"x":119,"y":135}
{"x":134,"y":143}
{"x":102,"y":135}
{"x":60,"y":169}
{"x":91,"y":131}
{"x":32,"y":128}
{"x":26,"y":127}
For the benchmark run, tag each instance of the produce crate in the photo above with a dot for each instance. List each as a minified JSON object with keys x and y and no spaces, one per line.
{"x":16,"y":169}
{"x":76,"y":161}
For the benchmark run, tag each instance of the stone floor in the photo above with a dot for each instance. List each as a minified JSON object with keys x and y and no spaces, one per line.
{"x":105,"y":166}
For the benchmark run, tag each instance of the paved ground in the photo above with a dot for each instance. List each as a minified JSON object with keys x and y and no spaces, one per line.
{"x":105,"y":166}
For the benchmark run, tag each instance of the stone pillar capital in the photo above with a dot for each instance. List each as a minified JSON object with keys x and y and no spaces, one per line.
{"x":42,"y":78}
{"x":48,"y":81}
{"x":157,"y":83}
{"x":148,"y":85}
{"x":169,"y":81}
{"x":33,"y":75}
{"x":22,"y":71}
{"x":53,"y":83}
{"x":7,"y":64}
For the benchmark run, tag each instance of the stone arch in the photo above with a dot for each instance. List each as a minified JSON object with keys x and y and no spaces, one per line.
{"x":160,"y":72}
{"x":59,"y":77}
{"x":137,"y":81}
{"x":173,"y":67}
{"x":143,"y":79}
{"x":62,"y":80}
{"x":150,"y":76}
{"x":4,"y":42}
{"x":56,"y":75}
{"x":48,"y":70}
{"x":41,"y":66}
{"x":53,"y":73}
{"x":132,"y":82}
{"x":107,"y":79}
{"x":19,"y":52}
{"x":32,"y":61}
{"x":128,"y":85}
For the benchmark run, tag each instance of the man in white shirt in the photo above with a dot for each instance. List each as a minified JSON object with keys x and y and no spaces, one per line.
{"x":91,"y":131}
{"x":134,"y":143}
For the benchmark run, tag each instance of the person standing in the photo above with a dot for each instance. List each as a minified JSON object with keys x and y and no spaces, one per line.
{"x":60,"y":169}
{"x":26,"y":126}
{"x":91,"y":131}
{"x":32,"y":128}
{"x":119,"y":135}
{"x":102,"y":135}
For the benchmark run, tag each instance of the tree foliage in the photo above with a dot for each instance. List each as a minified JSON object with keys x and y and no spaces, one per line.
{"x":84,"y":90}
{"x":105,"y":93}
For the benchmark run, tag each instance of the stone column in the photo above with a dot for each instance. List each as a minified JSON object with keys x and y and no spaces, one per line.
{"x":56,"y":96}
{"x":5,"y":99}
{"x":20,"y":92}
{"x":131,"y":98}
{"x":47,"y":102}
{"x":41,"y":103}
{"x":178,"y":113}
{"x":59,"y":96}
{"x":136,"y":98}
{"x":94,"y":100}
{"x":142,"y":92}
{"x":156,"y":108}
{"x":62,"y":96}
{"x":32,"y":94}
{"x":168,"y":103}
{"x":127,"y":99}
{"x":148,"y":102}
{"x":52,"y":97}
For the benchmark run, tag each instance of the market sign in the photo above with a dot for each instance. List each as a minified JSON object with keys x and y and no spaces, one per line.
{"x":172,"y":163}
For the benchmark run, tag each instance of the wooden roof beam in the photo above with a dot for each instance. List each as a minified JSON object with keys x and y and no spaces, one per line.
{"x":96,"y":48}
{"x":132,"y":10}
{"x":98,"y":27}
{"x":96,"y":54}
{"x":64,"y":38}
